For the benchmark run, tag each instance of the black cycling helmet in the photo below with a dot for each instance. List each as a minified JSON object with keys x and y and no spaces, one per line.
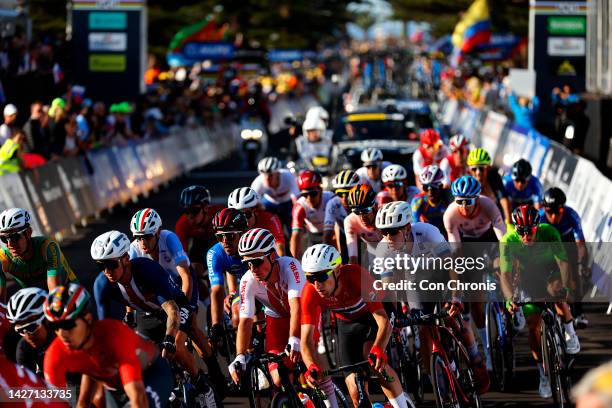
{"x":194,"y":195}
{"x":554,"y":197}
{"x":521,"y":170}
{"x":230,"y":219}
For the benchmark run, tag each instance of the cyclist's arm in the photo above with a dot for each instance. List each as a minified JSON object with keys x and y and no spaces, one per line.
{"x":294,"y":244}
{"x":217,"y":290}
{"x":54,"y":265}
{"x":276,"y":229}
{"x":297,"y":227}
{"x":351,"y":241}
{"x":451,"y":228}
{"x":566,"y":276}
{"x":135,"y":391}
{"x":186,"y":284}
{"x":181,"y":262}
{"x":87,"y":392}
{"x":217,"y":294}
{"x":243,"y":337}
{"x":505,"y":205}
{"x":307,"y":345}
{"x":174,"y":320}
{"x":246,"y":313}
{"x":506,"y":265}
{"x":294,"y":324}
{"x":384,"y":328}
{"x":232,"y":283}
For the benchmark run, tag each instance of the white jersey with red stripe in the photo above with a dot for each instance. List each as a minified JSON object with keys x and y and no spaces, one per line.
{"x":275,"y":299}
{"x":356,"y":231}
{"x":286,"y":190}
{"x":305,"y":216}
{"x":485,"y":217}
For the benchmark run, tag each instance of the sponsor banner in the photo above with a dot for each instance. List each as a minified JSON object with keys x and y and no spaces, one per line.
{"x":106,"y":182}
{"x":107,"y":20}
{"x":77,"y":186}
{"x":558,"y":167}
{"x":107,"y":62}
{"x":567,"y":25}
{"x":516,"y":146}
{"x":538,"y":152}
{"x":566,"y":46}
{"x":491,"y":132}
{"x":107,"y":41}
{"x":14,"y":194}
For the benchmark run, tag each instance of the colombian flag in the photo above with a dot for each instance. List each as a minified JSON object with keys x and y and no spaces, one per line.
{"x":474,"y":28}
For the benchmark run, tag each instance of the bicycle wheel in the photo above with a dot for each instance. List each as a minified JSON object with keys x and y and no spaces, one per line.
{"x":260,"y":386}
{"x":410,"y":371}
{"x":552,"y":354}
{"x":563,"y":364}
{"x":495,"y":334}
{"x":283,"y":399}
{"x":442,"y":383}
{"x":318,"y":398}
{"x":207,"y":398}
{"x":465,"y":379}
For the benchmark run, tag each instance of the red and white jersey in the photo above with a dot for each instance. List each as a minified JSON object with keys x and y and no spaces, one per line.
{"x":485,"y":216}
{"x":275,"y":299}
{"x":305,"y":216}
{"x":420,"y":159}
{"x":335,"y":213}
{"x":356,"y":231}
{"x":452,"y":169}
{"x":287,"y":188}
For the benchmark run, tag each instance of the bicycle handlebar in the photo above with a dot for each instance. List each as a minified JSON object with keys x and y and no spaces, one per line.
{"x":406,"y":321}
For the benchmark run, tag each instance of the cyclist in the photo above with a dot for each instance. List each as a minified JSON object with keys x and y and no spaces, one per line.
{"x":359,"y":224}
{"x":336,"y":208}
{"x":276,"y":282}
{"x":536,"y":250}
{"x":373,"y":165}
{"x":429,"y":206}
{"x":362,"y":322}
{"x":25,"y":312}
{"x":431,"y":151}
{"x":567,"y":222}
{"x":418,"y":239}
{"x":492,"y":186}
{"x":246,"y":200}
{"x":194,"y":227}
{"x":395,"y":181}
{"x":522,"y":186}
{"x":104,"y":351}
{"x":277,"y":188}
{"x":164,"y":315}
{"x":309,"y":210}
{"x":32,"y":261}
{"x":455,"y":164}
{"x":225,"y":263}
{"x":473,"y":218}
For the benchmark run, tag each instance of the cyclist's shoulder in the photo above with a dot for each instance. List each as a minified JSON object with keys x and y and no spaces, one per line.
{"x":547,"y":233}
{"x":511,"y":237}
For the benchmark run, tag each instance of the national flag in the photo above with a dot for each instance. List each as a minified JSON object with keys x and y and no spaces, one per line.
{"x":474,"y":28}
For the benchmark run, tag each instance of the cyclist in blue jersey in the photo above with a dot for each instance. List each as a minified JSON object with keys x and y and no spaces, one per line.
{"x":429,"y":205}
{"x":567,"y":222}
{"x":223,"y":260}
{"x":142,"y":284}
{"x":522,"y":186}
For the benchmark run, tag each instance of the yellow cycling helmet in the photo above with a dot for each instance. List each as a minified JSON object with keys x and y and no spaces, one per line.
{"x":478,"y":157}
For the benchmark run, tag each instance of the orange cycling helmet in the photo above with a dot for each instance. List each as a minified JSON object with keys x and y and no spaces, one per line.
{"x":361,"y":196}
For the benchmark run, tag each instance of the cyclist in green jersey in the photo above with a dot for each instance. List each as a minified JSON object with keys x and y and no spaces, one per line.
{"x":32,"y":261}
{"x":536,"y":249}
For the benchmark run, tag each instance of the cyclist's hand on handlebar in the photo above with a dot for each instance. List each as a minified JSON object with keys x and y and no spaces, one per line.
{"x":130,"y":319}
{"x":512,"y":307}
{"x":229,"y":301}
{"x":455,"y":307}
{"x":377,"y":359}
{"x":168,"y":346}
{"x":293,"y":348}
{"x":313,"y":375}
{"x":237,"y":367}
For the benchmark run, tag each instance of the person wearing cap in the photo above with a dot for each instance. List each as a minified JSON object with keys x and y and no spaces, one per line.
{"x":57,"y":126}
{"x":10,"y":119}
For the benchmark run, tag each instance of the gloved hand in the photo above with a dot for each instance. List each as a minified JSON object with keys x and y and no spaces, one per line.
{"x":313,"y":375}
{"x":377,"y":358}
{"x":293,"y":345}
{"x":168,"y":346}
{"x":237,"y":367}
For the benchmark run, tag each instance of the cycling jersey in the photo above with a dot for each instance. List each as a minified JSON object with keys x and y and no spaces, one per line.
{"x":531,"y":194}
{"x":384,"y":196}
{"x":355,"y":231}
{"x":47,"y":261}
{"x":494,"y":189}
{"x":197,"y":239}
{"x":117,"y":357}
{"x":271,"y":222}
{"x":423,"y":210}
{"x":452,"y":168}
{"x":286,"y":191}
{"x":304,"y":216}
{"x":485,"y":217}
{"x":335,"y":213}
{"x":347,"y":302}
{"x":276,"y":302}
{"x":421,"y":159}
{"x":33,"y":358}
{"x":376,"y":185}
{"x":570,"y":225}
{"x":219,"y":262}
{"x":5,"y":325}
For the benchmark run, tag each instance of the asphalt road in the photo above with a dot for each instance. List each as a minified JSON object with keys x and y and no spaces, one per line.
{"x":222,"y":178}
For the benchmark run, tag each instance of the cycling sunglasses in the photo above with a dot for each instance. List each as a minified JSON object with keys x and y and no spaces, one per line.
{"x":144,"y":237}
{"x":465,"y":201}
{"x":342,"y":193}
{"x":521,"y":180}
{"x":362,"y":211}
{"x":64,"y":325}
{"x":475,"y":169}
{"x":312,"y":193}
{"x":248,"y":213}
{"x":523,"y":231}
{"x":394,"y":184}
{"x":227,"y":236}
{"x":29,"y":328}
{"x":432,"y":186}
{"x":553,"y":210}
{"x":107,"y":264}
{"x":253,"y":262}
{"x":13,"y":236}
{"x":319,"y":276}
{"x":371,"y":166}
{"x":389,"y":231}
{"x":193,"y":211}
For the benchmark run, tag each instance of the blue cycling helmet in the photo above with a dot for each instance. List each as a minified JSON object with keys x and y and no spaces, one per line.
{"x":466,"y":186}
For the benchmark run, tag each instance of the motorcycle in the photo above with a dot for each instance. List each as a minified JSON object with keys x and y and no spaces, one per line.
{"x":254,"y":141}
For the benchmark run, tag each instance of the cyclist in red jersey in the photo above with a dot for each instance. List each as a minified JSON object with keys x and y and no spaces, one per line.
{"x":454,"y":165}
{"x":247,"y":201}
{"x":105,"y":351}
{"x":363,"y":325}
{"x":431,"y":151}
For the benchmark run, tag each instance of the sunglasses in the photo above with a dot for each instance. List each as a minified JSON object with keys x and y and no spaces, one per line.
{"x":248,"y":213}
{"x":432,"y":186}
{"x":552,"y":210}
{"x":193,"y":211}
{"x":64,"y":325}
{"x":319,"y":276}
{"x":362,"y":211}
{"x":309,"y":193}
{"x":371,"y":166}
{"x":108,"y":264}
{"x":253,"y":262}
{"x":524,"y":231}
{"x":395,"y":184}
{"x":13,"y":237}
{"x":476,"y":169}
{"x":29,"y":328}
{"x":145,"y":237}
{"x":342,"y":193}
{"x":389,"y":231}
{"x":227,"y":236}
{"x":465,"y":201}
{"x":520,"y":180}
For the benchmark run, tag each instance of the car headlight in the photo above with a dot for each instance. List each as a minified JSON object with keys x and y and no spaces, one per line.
{"x":246,"y":134}
{"x":256,"y":134}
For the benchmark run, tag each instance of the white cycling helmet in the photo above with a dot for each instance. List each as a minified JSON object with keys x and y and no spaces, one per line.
{"x":394,"y":172}
{"x":145,"y":221}
{"x":345,"y":179}
{"x":313,"y":123}
{"x":255,"y":241}
{"x":14,"y":219}
{"x":110,"y":245}
{"x":243,"y":198}
{"x":268,"y":165}
{"x":395,"y":214}
{"x":318,"y":112}
{"x":25,"y":304}
{"x":319,"y":258}
{"x":371,"y":155}
{"x":431,"y":174}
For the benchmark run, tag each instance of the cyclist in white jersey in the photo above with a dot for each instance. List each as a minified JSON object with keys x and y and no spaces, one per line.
{"x":277,"y":188}
{"x":359,"y":225}
{"x":277,"y":283}
{"x":373,"y":165}
{"x":336,"y":208}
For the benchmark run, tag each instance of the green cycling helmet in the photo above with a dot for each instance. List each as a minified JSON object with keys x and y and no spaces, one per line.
{"x":478,"y":157}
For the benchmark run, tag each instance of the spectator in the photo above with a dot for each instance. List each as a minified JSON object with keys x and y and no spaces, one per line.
{"x":99,"y":123}
{"x":37,"y":130}
{"x":71,"y":142}
{"x":10,"y":119}
{"x":523,"y":109}
{"x":57,"y":125}
{"x":11,"y":160}
{"x":120,"y":130}
{"x":595,"y":388}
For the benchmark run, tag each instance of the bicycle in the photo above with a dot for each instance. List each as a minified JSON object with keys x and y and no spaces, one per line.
{"x":453,"y":380}
{"x":185,"y":394}
{"x":500,"y":335}
{"x":405,"y":358}
{"x":329,"y":335}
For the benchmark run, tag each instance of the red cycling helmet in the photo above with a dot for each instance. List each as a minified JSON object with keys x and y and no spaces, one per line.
{"x":525,"y":216}
{"x":230,"y":219}
{"x":429,"y":137}
{"x":308,"y":180}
